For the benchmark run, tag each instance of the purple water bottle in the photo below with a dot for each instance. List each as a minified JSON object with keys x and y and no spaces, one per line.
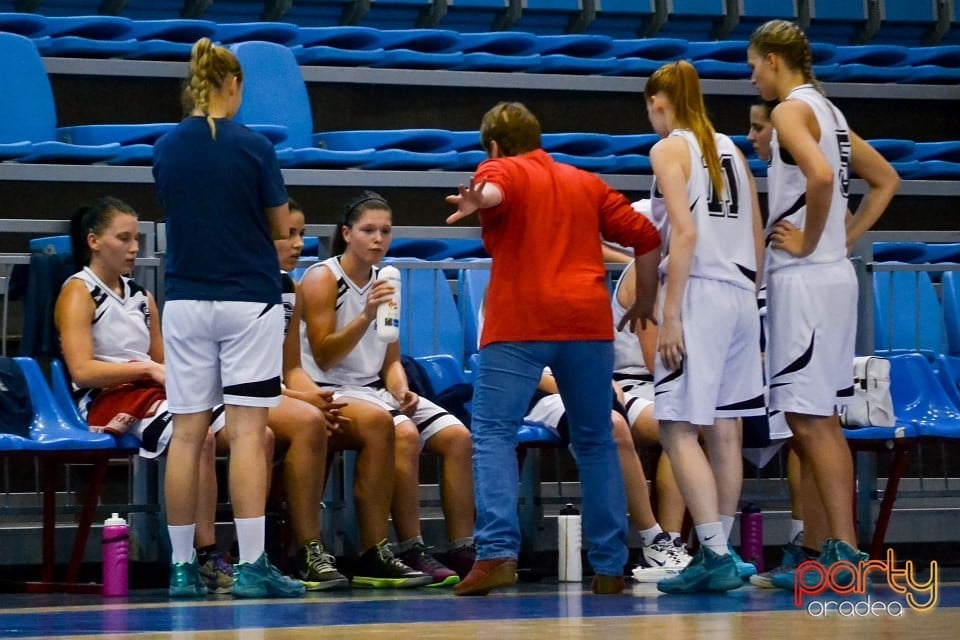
{"x":751,"y":536}
{"x":116,"y":544}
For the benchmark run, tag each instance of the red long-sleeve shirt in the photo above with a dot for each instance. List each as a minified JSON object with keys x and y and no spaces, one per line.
{"x":547,"y":280}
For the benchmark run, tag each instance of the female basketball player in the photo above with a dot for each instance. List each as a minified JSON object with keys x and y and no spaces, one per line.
{"x":708,"y":370}
{"x":811,"y":286}
{"x":224,"y":199}
{"x":341,"y":351}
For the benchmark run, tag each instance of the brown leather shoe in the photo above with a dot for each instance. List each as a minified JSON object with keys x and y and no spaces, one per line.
{"x":607,"y":585}
{"x":487,"y":575}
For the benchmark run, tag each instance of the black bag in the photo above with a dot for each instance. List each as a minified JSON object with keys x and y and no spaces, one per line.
{"x":16,"y":410}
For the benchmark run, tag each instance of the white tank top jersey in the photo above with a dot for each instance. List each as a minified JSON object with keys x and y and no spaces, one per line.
{"x":289,"y":297}
{"x":787,"y":185}
{"x":121,"y":325}
{"x":725,"y":248}
{"x":362,"y":366}
{"x":627,"y":355}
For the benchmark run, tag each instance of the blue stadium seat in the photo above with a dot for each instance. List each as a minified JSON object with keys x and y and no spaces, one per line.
{"x":837,"y":21}
{"x":233,"y":32}
{"x":898,"y":251}
{"x":945,"y":55}
{"x":694,"y":20}
{"x":51,"y":429}
{"x":948,"y":373}
{"x":396,"y":14}
{"x":627,"y":19}
{"x":28,"y":113}
{"x":754,"y":13}
{"x":498,"y":51}
{"x":170,"y":39}
{"x":550,"y":17}
{"x":907,"y":313}
{"x":472,"y":284}
{"x":60,"y":386}
{"x":29,"y":25}
{"x":394,"y":149}
{"x":894,"y":150}
{"x":319,"y":13}
{"x":575,"y":54}
{"x":420,"y":49}
{"x":89,"y":36}
{"x":950,"y":291}
{"x":271,"y":70}
{"x":920,"y":399}
{"x":475,"y":16}
{"x":429,"y":321}
{"x":906,"y":22}
{"x":347,"y":46}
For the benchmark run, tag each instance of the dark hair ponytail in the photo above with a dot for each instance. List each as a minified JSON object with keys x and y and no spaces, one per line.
{"x":93,"y":218}
{"x":351,"y":213}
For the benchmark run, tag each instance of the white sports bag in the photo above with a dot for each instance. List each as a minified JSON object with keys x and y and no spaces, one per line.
{"x":872,"y":405}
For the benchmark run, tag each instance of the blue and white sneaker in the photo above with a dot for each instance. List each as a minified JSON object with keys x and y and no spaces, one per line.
{"x":660,"y":560}
{"x":185,"y":580}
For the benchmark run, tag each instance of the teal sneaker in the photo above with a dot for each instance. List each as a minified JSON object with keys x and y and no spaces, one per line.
{"x":832,"y":551}
{"x":744,"y":569}
{"x":185,"y":580}
{"x":261,"y":579}
{"x":706,"y":572}
{"x":793,"y":555}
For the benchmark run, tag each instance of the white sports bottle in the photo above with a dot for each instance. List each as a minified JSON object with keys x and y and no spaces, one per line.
{"x":388,"y":313}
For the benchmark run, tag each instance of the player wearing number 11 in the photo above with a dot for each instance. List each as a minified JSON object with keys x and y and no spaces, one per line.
{"x":707,"y":371}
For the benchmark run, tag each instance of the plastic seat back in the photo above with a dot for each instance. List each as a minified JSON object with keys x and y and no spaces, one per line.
{"x":271,"y":70}
{"x":27,"y":111}
{"x":920,"y":399}
{"x":837,"y":21}
{"x":625,"y":18}
{"x":951,"y":310}
{"x":51,"y":429}
{"x":429,"y":323}
{"x":907,"y":313}
{"x":472,"y":286}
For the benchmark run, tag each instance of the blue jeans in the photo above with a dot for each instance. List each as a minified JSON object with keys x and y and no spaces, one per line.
{"x":508,"y":375}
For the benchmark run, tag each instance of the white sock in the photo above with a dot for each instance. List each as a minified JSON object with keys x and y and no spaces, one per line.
{"x":796,"y":528}
{"x":727,"y":522}
{"x":462,"y":543}
{"x":711,"y":536}
{"x":181,"y":541}
{"x":250,"y":532}
{"x":647,"y":535}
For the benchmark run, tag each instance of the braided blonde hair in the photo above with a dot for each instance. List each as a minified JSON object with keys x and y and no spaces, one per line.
{"x":211,"y":66}
{"x":787,"y":40}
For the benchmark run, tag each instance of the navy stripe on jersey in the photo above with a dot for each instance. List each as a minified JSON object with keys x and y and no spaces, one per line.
{"x":785,"y":156}
{"x":796,"y":206}
{"x":800,"y":362}
{"x":133,"y":288}
{"x":151,"y":435}
{"x":426,"y":423}
{"x":750,"y":274}
{"x":645,"y":377}
{"x":669,"y":378}
{"x":752,"y":403}
{"x":845,"y":393}
{"x":259,"y":389}
{"x":341,"y":290}
{"x":266,"y":309}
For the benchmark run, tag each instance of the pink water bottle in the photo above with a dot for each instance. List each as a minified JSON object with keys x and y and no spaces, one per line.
{"x":751,"y":536}
{"x":116,"y":545}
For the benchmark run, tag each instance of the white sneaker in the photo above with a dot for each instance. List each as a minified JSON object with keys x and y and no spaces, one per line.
{"x":660,"y":560}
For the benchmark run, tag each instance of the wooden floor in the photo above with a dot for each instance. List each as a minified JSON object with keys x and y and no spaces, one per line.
{"x":543,"y":611}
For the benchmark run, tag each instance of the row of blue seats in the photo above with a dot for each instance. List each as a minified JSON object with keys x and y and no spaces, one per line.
{"x":840,"y":21}
{"x":28,"y":131}
{"x":56,"y":425}
{"x":909,"y":315}
{"x":117,"y":37}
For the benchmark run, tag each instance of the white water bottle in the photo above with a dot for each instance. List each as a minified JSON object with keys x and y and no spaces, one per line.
{"x":569,"y":567}
{"x":388,"y":313}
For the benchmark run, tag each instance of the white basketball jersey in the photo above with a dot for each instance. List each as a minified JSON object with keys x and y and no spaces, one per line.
{"x":362,"y":365}
{"x":289,"y":297}
{"x":725,"y":246}
{"x":121,"y":325}
{"x":788,"y":187}
{"x":627,"y":355}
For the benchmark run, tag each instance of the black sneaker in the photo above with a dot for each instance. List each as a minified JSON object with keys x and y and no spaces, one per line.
{"x":315,"y":568}
{"x":376,"y":568}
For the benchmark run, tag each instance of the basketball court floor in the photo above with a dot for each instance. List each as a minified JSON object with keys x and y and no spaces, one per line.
{"x":539,"y":611}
